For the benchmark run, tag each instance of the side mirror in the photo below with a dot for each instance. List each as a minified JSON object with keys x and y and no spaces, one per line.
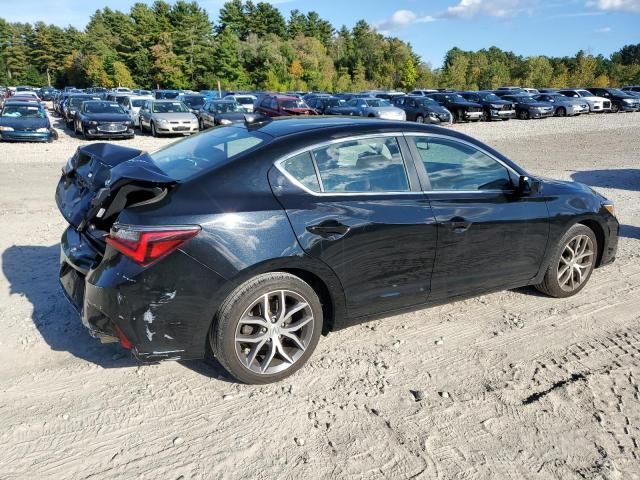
{"x":528,"y":185}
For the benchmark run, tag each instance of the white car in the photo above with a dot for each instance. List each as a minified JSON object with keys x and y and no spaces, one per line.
{"x":245,"y":101}
{"x":132,"y":105}
{"x":596,"y":104}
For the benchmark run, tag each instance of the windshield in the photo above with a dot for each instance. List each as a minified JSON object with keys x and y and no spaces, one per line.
{"x":377,"y":103}
{"x":245,"y":100}
{"x":615,"y":91}
{"x":124,"y":100}
{"x":456,"y":97}
{"x":169,"y":107}
{"x":226,"y":107}
{"x":426,"y":101}
{"x":194,"y":102}
{"x":293,"y":104}
{"x":102,"y":107}
{"x":490,"y":97}
{"x":23,"y":111}
{"x":193,"y":155}
{"x":333,"y":102}
{"x":584,"y":93}
{"x":169,"y":95}
{"x":138,"y":102}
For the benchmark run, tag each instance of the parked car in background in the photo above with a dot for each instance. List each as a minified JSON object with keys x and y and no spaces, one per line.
{"x":493,"y":107}
{"x":246,"y":101}
{"x":132,"y":106}
{"x":282,"y":105}
{"x":25,"y":122}
{"x":73,"y":105}
{"x":532,"y":91}
{"x":564,"y":106}
{"x":596,"y":104}
{"x":47,"y":93}
{"x":194,"y":101}
{"x":631,"y":88}
{"x":166,"y":117}
{"x":166,"y":94}
{"x":372,"y":108}
{"x":326,"y":104}
{"x":462,"y":109}
{"x":336,"y":215}
{"x":423,"y":109}
{"x":528,"y":107}
{"x":620,"y":101}
{"x":220,"y":112}
{"x":548,"y":90}
{"x":422,"y":92}
{"x":103,"y":119}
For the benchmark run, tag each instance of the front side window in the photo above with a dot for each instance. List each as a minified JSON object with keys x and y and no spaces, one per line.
{"x":452,"y":165}
{"x":365,"y":165}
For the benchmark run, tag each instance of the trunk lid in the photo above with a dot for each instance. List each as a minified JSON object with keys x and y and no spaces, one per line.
{"x":102,"y":179}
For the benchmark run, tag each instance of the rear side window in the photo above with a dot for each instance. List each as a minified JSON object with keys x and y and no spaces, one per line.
{"x":301,"y":168}
{"x":365,"y":165}
{"x":195,"y":154}
{"x":457,"y":166}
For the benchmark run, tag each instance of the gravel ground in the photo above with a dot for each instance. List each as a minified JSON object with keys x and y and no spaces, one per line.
{"x":507,"y":385}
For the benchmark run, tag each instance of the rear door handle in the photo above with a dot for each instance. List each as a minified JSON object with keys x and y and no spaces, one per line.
{"x":330,"y":229}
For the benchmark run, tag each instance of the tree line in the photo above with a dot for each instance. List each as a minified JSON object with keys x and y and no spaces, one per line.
{"x":253,"y":46}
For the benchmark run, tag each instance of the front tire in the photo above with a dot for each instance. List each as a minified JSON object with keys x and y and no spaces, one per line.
{"x":154,"y":133}
{"x":572,"y":263}
{"x":615,"y":108}
{"x":267,"y":328}
{"x":419,"y":119}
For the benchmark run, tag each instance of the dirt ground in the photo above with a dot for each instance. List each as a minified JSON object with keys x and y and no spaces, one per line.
{"x":511,"y":385}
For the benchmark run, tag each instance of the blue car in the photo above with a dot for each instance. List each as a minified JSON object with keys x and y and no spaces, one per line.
{"x":25,"y":122}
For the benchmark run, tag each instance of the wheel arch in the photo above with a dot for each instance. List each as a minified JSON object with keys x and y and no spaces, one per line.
{"x":598,"y":230}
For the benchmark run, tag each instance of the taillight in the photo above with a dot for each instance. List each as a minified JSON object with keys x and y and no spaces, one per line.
{"x":147,"y":245}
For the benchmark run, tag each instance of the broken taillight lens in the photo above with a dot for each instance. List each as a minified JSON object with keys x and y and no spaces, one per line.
{"x":148,"y":245}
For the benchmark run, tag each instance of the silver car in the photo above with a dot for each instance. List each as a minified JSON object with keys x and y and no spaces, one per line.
{"x":165,"y":117}
{"x":564,"y":106}
{"x":596,"y":104}
{"x":371,"y":107}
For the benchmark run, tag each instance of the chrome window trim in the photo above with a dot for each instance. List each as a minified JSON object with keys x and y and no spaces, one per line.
{"x":469,"y":144}
{"x":310,"y":148}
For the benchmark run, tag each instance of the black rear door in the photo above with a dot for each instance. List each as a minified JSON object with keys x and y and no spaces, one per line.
{"x":356,"y":204}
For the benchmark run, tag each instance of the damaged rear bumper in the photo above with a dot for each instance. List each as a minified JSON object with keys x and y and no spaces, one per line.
{"x":159,"y":314}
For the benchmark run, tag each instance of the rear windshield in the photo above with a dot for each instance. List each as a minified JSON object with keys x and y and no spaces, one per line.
{"x":138,"y":102}
{"x":293,"y":104}
{"x":23,"y":111}
{"x":169,"y":107}
{"x":226,"y":107}
{"x":245,"y":100}
{"x":196,"y":154}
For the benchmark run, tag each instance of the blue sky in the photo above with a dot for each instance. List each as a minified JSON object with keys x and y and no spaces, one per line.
{"x":527,"y":27}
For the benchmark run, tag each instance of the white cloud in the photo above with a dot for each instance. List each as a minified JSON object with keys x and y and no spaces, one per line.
{"x":603,"y":30}
{"x":616,"y":5}
{"x":492,"y":8}
{"x":401,"y":19}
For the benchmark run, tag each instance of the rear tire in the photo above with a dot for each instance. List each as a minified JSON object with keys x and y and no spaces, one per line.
{"x":270,"y":353}
{"x":572,"y":263}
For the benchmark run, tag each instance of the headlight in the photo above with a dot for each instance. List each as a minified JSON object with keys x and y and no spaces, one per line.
{"x":93,"y":124}
{"x":224,"y":121}
{"x":42,"y":130}
{"x":162,"y":121}
{"x":6,"y":129}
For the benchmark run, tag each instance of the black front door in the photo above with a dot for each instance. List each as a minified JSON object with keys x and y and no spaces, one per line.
{"x":489,"y":236}
{"x":364,"y":215}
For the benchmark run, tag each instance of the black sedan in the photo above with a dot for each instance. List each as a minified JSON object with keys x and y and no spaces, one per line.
{"x":462,"y":109}
{"x":248,"y":241}
{"x":493,"y":107}
{"x":528,"y":107}
{"x":102,"y":119}
{"x":220,"y":112}
{"x":423,"y":109}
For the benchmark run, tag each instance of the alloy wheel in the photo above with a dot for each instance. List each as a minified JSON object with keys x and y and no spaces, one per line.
{"x":420,"y":119}
{"x":575,"y":262}
{"x":274,"y":332}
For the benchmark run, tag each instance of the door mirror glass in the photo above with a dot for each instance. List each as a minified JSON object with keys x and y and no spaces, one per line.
{"x":528,"y":185}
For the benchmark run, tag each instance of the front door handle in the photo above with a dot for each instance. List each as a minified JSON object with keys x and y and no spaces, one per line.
{"x":458,"y":224}
{"x":330,"y":229}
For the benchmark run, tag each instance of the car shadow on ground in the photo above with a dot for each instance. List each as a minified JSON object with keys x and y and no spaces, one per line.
{"x":32,"y":272}
{"x":630,"y":231}
{"x":621,"y":179}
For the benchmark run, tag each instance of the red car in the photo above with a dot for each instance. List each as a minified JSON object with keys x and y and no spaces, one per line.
{"x":283,"y":105}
